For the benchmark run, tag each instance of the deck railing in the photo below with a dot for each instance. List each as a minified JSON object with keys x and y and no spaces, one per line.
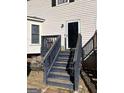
{"x":51,"y":56}
{"x":47,"y":42}
{"x":90,"y":46}
{"x":77,"y":61}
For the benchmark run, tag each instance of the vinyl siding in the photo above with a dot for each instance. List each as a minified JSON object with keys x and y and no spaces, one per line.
{"x":83,"y":10}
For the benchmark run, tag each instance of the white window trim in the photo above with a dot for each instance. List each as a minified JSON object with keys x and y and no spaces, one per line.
{"x":35,"y":44}
{"x":57,"y":4}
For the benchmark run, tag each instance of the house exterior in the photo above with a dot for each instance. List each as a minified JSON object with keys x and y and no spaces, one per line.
{"x":60,"y":17}
{"x":34,"y":32}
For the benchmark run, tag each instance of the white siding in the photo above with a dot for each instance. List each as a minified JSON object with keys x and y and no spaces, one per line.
{"x":84,"y":10}
{"x":33,"y":48}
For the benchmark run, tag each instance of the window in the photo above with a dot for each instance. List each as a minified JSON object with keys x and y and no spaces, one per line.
{"x":57,"y":2}
{"x":62,"y":1}
{"x":35,"y":34}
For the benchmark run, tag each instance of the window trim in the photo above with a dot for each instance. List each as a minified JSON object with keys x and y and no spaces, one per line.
{"x":57,"y":3}
{"x":35,"y":34}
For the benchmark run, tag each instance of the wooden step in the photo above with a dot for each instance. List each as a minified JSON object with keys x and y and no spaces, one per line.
{"x":60,"y":80}
{"x":54,"y":69}
{"x":64,"y":54}
{"x":62,"y":85}
{"x":66,"y":51}
{"x":58,"y":73}
{"x":63,"y":58}
{"x":59,"y":67}
{"x":63,"y":77}
{"x":65,"y":62}
{"x":60,"y":64}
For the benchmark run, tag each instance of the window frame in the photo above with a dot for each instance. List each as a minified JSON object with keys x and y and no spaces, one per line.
{"x":35,"y":43}
{"x":57,"y":2}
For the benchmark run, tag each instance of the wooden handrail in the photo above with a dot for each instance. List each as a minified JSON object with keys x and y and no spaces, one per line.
{"x":90,"y":46}
{"x":77,"y":61}
{"x":95,"y":34}
{"x":51,"y":49}
{"x":50,"y":57}
{"x":47,"y":42}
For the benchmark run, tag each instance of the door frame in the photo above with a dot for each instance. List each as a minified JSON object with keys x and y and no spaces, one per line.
{"x":66,"y":30}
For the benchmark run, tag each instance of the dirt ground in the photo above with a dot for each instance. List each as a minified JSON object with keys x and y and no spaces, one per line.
{"x":35,"y":80}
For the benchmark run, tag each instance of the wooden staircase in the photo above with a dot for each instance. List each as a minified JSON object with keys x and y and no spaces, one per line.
{"x":61,"y":68}
{"x":59,"y":74}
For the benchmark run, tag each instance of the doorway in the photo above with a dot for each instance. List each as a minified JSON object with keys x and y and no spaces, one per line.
{"x":72,"y":31}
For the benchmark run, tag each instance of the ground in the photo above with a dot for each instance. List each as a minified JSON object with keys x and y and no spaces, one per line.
{"x":35,"y":80}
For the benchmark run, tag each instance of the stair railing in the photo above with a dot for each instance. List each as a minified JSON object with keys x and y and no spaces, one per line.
{"x":77,"y":61}
{"x":47,"y":42}
{"x":50,"y":57}
{"x":90,"y":46}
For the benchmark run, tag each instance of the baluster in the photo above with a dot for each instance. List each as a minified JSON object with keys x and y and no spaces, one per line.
{"x":48,"y":60}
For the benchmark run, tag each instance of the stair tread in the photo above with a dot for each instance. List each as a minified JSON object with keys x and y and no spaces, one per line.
{"x":55,"y":67}
{"x":62,"y":85}
{"x":60,"y":80}
{"x":58,"y":67}
{"x":63,"y":57}
{"x":59,"y":77}
{"x":60,"y":73}
{"x":58,"y":70}
{"x":64,"y":53}
{"x":63,"y":62}
{"x":60,"y":64}
{"x":61,"y":67}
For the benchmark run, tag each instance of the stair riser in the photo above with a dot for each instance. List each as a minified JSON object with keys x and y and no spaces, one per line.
{"x":58,"y":70}
{"x":63,"y":52}
{"x":62,"y":62}
{"x":63,"y":59}
{"x":64,"y":55}
{"x":69,"y":86}
{"x":60,"y":65}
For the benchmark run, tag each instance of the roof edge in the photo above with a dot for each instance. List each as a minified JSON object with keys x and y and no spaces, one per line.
{"x":34,"y":18}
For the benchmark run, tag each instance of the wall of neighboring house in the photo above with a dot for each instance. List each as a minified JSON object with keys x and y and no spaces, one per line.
{"x":83,"y":10}
{"x":33,"y":48}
